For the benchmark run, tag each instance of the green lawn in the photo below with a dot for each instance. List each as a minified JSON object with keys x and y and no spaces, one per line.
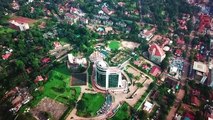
{"x":58,"y":86}
{"x":90,"y":104}
{"x":123,"y":113}
{"x":114,"y":45}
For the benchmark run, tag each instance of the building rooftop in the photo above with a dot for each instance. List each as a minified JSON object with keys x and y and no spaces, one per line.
{"x":74,"y":60}
{"x":201,"y":67}
{"x":155,"y":71}
{"x":148,"y":106}
{"x":154,"y":49}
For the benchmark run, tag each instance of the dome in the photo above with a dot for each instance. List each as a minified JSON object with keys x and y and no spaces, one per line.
{"x":166,"y":48}
{"x":102,"y":64}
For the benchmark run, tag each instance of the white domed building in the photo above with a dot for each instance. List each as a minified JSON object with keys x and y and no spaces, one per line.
{"x":108,"y":77}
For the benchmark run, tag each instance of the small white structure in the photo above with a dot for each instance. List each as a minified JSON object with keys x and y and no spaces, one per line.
{"x":148,"y":106}
{"x":166,"y":48}
{"x":173,"y":70}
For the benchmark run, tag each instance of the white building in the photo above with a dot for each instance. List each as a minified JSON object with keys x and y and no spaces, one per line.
{"x":200,"y":67}
{"x":75,"y":62}
{"x":19,"y":26}
{"x":108,"y":77}
{"x":148,"y":106}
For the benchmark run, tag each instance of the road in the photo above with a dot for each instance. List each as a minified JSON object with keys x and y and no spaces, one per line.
{"x":179,"y":97}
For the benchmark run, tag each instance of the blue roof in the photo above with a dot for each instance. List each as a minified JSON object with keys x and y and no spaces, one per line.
{"x":186,"y":118}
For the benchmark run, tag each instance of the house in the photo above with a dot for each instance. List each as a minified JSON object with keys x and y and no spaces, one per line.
{"x":77,"y":12}
{"x":155,"y":71}
{"x":19,"y":26}
{"x":195,"y":101}
{"x":178,"y":52}
{"x":8,"y":53}
{"x":205,"y":21}
{"x":180,"y":41}
{"x":145,"y":67}
{"x":70,"y":18}
{"x":38,"y":79}
{"x":147,"y":34}
{"x":173,"y":70}
{"x":57,"y":45}
{"x":45,"y":60}
{"x":15,"y":5}
{"x":148,"y":106}
{"x":6,"y":56}
{"x":182,"y":24}
{"x":84,"y":20}
{"x":19,"y":97}
{"x":156,"y":54}
{"x":106,"y":10}
{"x":108,"y":29}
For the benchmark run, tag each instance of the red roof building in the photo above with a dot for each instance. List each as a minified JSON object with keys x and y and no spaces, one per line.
{"x":155,"y":71}
{"x":45,"y":60}
{"x":156,"y":53}
{"x":180,"y":41}
{"x":205,"y":22}
{"x":178,"y":52}
{"x":38,"y":78}
{"x":145,"y":67}
{"x":6,"y":56}
{"x":57,"y":44}
{"x":196,"y":93}
{"x":195,"y":101}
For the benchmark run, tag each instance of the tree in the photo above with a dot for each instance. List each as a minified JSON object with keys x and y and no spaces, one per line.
{"x":195,"y":41}
{"x":142,"y":115}
{"x":139,"y":85}
{"x":20,"y":65}
{"x":184,"y":54}
{"x":164,"y":64}
{"x":26,"y":116}
{"x":187,"y":39}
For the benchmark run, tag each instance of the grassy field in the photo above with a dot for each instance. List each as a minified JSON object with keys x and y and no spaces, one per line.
{"x":58,"y":86}
{"x":114,"y":45}
{"x":123,"y":113}
{"x":90,"y":104}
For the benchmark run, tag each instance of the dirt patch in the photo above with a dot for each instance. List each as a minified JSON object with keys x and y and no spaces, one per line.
{"x":54,"y":108}
{"x":129,"y":45}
